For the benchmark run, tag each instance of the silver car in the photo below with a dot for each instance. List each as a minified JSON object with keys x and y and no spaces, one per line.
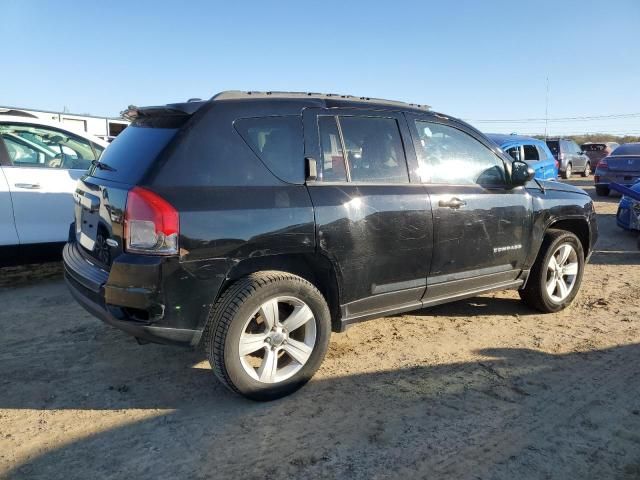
{"x":622,"y":166}
{"x":571,"y":159}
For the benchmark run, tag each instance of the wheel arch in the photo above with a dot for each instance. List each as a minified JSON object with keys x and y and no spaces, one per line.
{"x":578,"y":226}
{"x":315,"y":268}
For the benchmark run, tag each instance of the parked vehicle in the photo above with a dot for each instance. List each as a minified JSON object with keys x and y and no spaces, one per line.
{"x":254,"y":224}
{"x":628,"y":214}
{"x":533,"y":151}
{"x":622,"y":166}
{"x":40,"y":163}
{"x":571,"y":159}
{"x":597,"y":151}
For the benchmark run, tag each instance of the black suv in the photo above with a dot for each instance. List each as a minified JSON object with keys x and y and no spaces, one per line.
{"x":254,"y":224}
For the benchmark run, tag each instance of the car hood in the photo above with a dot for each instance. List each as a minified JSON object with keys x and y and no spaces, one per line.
{"x":556,"y":186}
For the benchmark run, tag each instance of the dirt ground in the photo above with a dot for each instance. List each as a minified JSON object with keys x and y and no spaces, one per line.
{"x":480,"y":389}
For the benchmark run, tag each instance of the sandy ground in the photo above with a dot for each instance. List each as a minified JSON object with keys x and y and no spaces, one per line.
{"x":478,"y":389}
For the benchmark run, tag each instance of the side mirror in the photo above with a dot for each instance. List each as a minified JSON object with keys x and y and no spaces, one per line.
{"x":521,"y":173}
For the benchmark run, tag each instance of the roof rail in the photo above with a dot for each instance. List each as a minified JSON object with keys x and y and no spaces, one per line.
{"x":237,"y":95}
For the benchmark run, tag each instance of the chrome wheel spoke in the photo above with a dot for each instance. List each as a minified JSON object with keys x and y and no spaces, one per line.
{"x":564,"y":252}
{"x":269,"y":312}
{"x":299,"y":351}
{"x":570,"y":269}
{"x":252,"y":342}
{"x":553,"y":265}
{"x":563,"y":291}
{"x":269,"y":366}
{"x":551,"y":286}
{"x":299,"y":317}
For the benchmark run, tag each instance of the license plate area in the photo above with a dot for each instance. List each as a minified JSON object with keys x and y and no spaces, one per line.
{"x":87,"y":219}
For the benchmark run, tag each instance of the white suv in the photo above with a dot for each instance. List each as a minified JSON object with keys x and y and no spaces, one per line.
{"x":40,"y":163}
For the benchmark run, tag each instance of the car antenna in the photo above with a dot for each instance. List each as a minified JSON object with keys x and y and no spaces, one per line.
{"x":540,"y":185}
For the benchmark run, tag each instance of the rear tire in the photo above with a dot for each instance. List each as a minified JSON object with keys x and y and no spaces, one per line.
{"x":587,"y":170}
{"x":544,"y":290}
{"x":267,"y":315}
{"x":567,"y":173}
{"x":602,"y":191}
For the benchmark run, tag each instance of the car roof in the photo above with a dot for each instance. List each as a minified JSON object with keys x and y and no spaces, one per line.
{"x":47,"y":123}
{"x":293,"y":99}
{"x":503,"y":139}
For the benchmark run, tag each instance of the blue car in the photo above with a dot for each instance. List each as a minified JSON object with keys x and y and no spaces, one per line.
{"x":533,"y":151}
{"x":628,"y":215}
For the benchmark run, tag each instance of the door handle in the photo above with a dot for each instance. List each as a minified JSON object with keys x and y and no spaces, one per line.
{"x":452,"y":203}
{"x":29,"y":186}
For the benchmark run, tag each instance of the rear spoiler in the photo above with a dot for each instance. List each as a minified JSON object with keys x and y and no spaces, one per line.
{"x":171,"y":110}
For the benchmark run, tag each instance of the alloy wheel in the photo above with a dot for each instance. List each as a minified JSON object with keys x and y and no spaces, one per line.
{"x":277,"y":339}
{"x":562,"y":272}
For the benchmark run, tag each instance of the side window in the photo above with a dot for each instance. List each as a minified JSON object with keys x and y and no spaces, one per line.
{"x":450,"y":156}
{"x":530,"y":152}
{"x":374,"y":150}
{"x":278,"y":142}
{"x":514,"y":152}
{"x":332,"y":167}
{"x":36,"y":146}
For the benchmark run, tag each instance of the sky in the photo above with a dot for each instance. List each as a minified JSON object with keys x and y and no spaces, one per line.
{"x":476,"y":60}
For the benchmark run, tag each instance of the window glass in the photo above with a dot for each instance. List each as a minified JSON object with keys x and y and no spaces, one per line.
{"x":374,"y":150}
{"x":278,"y":142}
{"x":332,"y":167}
{"x":531,"y":152}
{"x":514,"y":152}
{"x":37,"y":146}
{"x":450,"y":156}
{"x":554,"y":146}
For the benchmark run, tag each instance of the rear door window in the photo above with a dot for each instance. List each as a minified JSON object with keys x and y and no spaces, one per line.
{"x":531,"y":152}
{"x":278,"y":142}
{"x":374,"y":149}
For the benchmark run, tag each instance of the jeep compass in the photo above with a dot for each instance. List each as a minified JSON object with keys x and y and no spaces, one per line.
{"x":255,"y":224}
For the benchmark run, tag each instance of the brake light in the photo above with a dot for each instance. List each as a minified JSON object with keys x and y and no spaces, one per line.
{"x":602,"y":164}
{"x":151,"y":224}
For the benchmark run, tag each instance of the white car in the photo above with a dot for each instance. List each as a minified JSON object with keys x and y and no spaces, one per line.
{"x":40,"y":163}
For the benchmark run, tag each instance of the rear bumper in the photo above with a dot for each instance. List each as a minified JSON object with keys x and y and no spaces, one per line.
{"x":122,"y":306}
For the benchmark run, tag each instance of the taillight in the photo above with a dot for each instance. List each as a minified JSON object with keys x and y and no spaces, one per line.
{"x":151,"y":224}
{"x":602,"y":164}
{"x":557,"y":165}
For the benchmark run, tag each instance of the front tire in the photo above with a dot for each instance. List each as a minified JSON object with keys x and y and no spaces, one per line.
{"x":268,"y":334}
{"x":587,"y":170}
{"x":556,"y":276}
{"x":602,"y":191}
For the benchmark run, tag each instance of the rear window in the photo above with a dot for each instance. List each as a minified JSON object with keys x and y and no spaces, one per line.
{"x":132,"y":153}
{"x":553,"y":146}
{"x":593,"y":147}
{"x":628,"y":149}
{"x":278,"y":142}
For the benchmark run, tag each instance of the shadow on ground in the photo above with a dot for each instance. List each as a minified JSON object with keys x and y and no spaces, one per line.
{"x":514,"y":414}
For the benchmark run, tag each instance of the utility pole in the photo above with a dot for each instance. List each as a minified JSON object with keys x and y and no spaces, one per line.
{"x":546,"y":113}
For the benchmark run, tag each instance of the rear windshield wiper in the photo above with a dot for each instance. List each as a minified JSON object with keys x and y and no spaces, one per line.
{"x":102,"y":165}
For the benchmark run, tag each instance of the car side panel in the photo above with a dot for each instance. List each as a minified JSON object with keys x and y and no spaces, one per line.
{"x":553,"y":206}
{"x":8,"y":233}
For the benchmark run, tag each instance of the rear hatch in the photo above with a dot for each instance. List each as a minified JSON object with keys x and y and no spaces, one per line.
{"x":554,"y":146}
{"x":101,"y":195}
{"x":595,"y":152}
{"x":624,"y":164}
